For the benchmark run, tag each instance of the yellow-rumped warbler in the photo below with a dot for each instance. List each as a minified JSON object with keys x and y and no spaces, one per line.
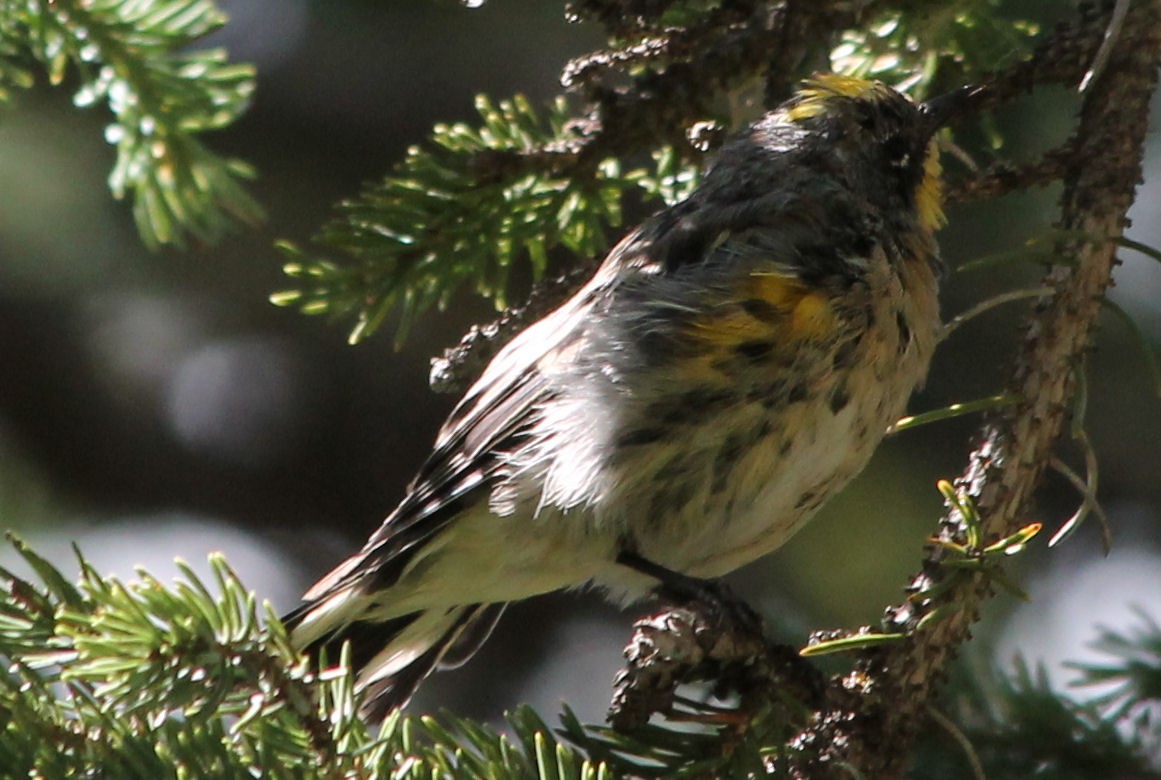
{"x":732,"y":364}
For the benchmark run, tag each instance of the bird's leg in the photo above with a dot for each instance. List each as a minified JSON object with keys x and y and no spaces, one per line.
{"x":714,"y":597}
{"x":708,"y":634}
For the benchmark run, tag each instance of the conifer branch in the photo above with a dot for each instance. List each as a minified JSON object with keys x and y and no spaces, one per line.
{"x":131,"y":680}
{"x":140,"y":679}
{"x":876,"y":713}
{"x":523,"y":184}
{"x":135,"y":57}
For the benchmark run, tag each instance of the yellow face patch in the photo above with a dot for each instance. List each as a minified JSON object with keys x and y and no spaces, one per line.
{"x":929,"y":193}
{"x":814,"y":100}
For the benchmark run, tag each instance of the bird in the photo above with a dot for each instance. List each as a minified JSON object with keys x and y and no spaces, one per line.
{"x":731,"y":364}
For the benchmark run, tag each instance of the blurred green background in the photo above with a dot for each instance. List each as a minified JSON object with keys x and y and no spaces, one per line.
{"x":155,"y":405}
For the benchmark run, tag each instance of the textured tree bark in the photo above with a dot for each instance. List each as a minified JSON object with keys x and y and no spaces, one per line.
{"x":877,"y":710}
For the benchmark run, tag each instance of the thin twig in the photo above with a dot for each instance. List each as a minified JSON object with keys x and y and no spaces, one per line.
{"x":961,"y":739}
{"x":1087,"y":487}
{"x":991,"y":303}
{"x":1112,"y":33}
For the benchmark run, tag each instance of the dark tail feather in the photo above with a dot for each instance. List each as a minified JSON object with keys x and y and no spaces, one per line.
{"x":392,"y":657}
{"x":383,"y":696}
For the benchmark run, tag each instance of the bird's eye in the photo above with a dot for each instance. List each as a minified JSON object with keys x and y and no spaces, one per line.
{"x":898,"y":151}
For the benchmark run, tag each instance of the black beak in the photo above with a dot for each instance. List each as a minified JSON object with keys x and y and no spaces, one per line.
{"x":944,"y":109}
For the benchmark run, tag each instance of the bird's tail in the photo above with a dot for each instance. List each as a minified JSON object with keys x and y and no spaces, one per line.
{"x":392,"y":656}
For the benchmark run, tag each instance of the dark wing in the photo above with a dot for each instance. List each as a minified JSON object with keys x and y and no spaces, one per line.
{"x":497,"y":411}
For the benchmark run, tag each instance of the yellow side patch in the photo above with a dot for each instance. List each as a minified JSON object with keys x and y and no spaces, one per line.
{"x":808,"y":313}
{"x":813,"y":318}
{"x":728,"y":328}
{"x":778,"y":290}
{"x":792,"y":312}
{"x":701,"y":369}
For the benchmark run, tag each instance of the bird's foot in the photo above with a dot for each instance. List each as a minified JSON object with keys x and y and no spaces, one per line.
{"x":709,"y":635}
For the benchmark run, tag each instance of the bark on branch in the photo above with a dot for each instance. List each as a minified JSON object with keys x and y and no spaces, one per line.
{"x":876,"y":711}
